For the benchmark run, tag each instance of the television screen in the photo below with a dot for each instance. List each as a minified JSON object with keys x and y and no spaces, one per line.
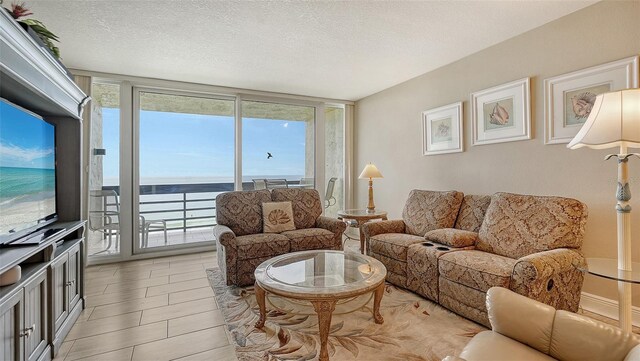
{"x":27,"y":170}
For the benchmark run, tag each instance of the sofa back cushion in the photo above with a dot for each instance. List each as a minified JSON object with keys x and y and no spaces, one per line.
{"x":518,"y":225}
{"x":472,"y":212}
{"x":429,"y":210}
{"x":241,"y":211}
{"x":306,"y":204}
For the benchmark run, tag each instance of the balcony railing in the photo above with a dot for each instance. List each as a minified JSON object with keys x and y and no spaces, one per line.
{"x":184,"y":206}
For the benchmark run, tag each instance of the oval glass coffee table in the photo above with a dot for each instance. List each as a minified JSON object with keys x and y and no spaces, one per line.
{"x":322,"y":278}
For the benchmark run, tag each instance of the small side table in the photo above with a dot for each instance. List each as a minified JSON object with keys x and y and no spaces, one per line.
{"x":608,"y":268}
{"x":362,"y":216}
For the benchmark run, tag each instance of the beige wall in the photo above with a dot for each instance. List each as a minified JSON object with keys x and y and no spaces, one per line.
{"x":388,"y":128}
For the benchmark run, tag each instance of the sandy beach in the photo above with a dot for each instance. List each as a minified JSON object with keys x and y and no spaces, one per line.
{"x":16,"y":213}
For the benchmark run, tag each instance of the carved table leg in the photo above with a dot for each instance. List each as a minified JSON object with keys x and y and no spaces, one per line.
{"x":377,"y":297}
{"x":324,"y":309}
{"x":260,"y":298}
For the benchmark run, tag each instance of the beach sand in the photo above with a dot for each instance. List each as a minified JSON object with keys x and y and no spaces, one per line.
{"x":16,"y":214}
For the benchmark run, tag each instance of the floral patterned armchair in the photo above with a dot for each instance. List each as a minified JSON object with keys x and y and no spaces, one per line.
{"x":241,"y":245}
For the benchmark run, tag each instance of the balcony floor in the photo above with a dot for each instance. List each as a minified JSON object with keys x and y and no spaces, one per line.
{"x":156,"y":239}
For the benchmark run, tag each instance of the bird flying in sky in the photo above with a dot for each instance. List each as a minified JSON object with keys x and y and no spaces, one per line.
{"x":269,"y":156}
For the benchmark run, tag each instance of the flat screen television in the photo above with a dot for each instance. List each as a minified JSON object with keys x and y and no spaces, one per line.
{"x":27,"y":172}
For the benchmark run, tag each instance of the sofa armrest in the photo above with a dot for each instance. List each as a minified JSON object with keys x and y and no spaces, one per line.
{"x":224,"y":235}
{"x":552,"y":277}
{"x":332,"y":225}
{"x":371,"y":229}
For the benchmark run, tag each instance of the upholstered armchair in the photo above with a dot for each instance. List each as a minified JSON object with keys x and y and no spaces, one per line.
{"x":545,"y":334}
{"x":241,"y":245}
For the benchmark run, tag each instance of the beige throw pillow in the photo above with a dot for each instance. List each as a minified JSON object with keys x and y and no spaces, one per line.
{"x":277,"y":217}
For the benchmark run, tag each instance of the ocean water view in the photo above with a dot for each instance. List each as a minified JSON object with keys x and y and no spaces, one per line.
{"x":26,"y":195}
{"x":17,"y":183}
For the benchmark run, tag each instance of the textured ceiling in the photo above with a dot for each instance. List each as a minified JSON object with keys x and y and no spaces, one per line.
{"x":341,"y":50}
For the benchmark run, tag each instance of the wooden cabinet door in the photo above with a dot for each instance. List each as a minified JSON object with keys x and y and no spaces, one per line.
{"x":73,"y":284}
{"x":11,"y":327}
{"x":35,"y":317}
{"x":59,"y":294}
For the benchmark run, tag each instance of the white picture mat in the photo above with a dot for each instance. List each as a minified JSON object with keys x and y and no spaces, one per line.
{"x":455,"y":145}
{"x":518,"y":91}
{"x":621,"y":74}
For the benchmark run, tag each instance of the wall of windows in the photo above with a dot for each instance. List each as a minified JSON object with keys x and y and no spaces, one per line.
{"x":161,"y":151}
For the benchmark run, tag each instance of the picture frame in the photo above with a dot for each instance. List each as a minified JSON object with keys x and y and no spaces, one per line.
{"x":442,"y":130}
{"x":502,"y":113}
{"x":568,"y":97}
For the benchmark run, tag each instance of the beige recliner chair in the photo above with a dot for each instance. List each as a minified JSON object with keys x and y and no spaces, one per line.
{"x":524,"y":329}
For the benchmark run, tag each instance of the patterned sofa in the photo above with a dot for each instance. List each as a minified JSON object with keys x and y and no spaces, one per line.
{"x":452,"y":248}
{"x":241,"y":245}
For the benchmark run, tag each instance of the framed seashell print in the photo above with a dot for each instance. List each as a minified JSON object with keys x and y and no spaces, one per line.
{"x":569,"y":97}
{"x":442,"y":130}
{"x":501,"y":113}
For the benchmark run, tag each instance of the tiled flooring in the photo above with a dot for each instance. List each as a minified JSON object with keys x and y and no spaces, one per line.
{"x":155,"y":309}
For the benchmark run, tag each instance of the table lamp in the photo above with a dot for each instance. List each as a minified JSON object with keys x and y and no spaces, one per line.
{"x":614,"y":121}
{"x":370,"y":171}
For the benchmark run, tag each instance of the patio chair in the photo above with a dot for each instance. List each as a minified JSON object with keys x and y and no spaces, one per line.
{"x":259,"y":184}
{"x":276,"y":183}
{"x":329,"y":199}
{"x":106,"y":220}
{"x":306,"y":182}
{"x":106,"y":217}
{"x":147,"y":225}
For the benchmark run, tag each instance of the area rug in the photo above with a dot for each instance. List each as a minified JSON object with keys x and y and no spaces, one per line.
{"x":414,"y":328}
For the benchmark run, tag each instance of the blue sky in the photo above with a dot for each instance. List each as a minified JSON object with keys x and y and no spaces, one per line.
{"x":190,"y":145}
{"x":25,"y":141}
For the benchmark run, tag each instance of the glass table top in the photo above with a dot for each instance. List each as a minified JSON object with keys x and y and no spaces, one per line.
{"x":319,"y":272}
{"x":608,"y":268}
{"x":361,"y":213}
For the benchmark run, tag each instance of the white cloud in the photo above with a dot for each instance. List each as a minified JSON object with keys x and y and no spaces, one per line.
{"x":286,"y":125}
{"x":11,"y":151}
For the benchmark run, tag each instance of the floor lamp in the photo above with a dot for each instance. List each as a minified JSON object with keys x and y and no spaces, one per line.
{"x":614,"y":121}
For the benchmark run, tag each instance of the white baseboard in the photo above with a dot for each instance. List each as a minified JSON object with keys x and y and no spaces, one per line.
{"x":606,"y":307}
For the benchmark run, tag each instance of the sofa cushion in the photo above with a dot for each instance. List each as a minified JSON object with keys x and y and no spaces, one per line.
{"x":309,"y":238}
{"x":429,"y":210}
{"x":277,"y":217}
{"x":393,"y":245}
{"x":489,"y":345}
{"x":261,"y":245}
{"x":241,"y":211}
{"x":306,"y":204}
{"x":476,"y":269}
{"x":518,"y":225}
{"x":452,"y":237}
{"x":472,"y":212}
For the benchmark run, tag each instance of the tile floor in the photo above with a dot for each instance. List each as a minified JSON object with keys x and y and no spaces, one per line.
{"x":154,"y":309}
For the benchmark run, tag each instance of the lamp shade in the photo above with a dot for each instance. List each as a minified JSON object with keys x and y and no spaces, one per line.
{"x":614,"y":121}
{"x":370,"y":171}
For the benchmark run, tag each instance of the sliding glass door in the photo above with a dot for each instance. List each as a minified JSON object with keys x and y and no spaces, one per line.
{"x":277,"y":145}
{"x":160,"y":157}
{"x":185,"y":157}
